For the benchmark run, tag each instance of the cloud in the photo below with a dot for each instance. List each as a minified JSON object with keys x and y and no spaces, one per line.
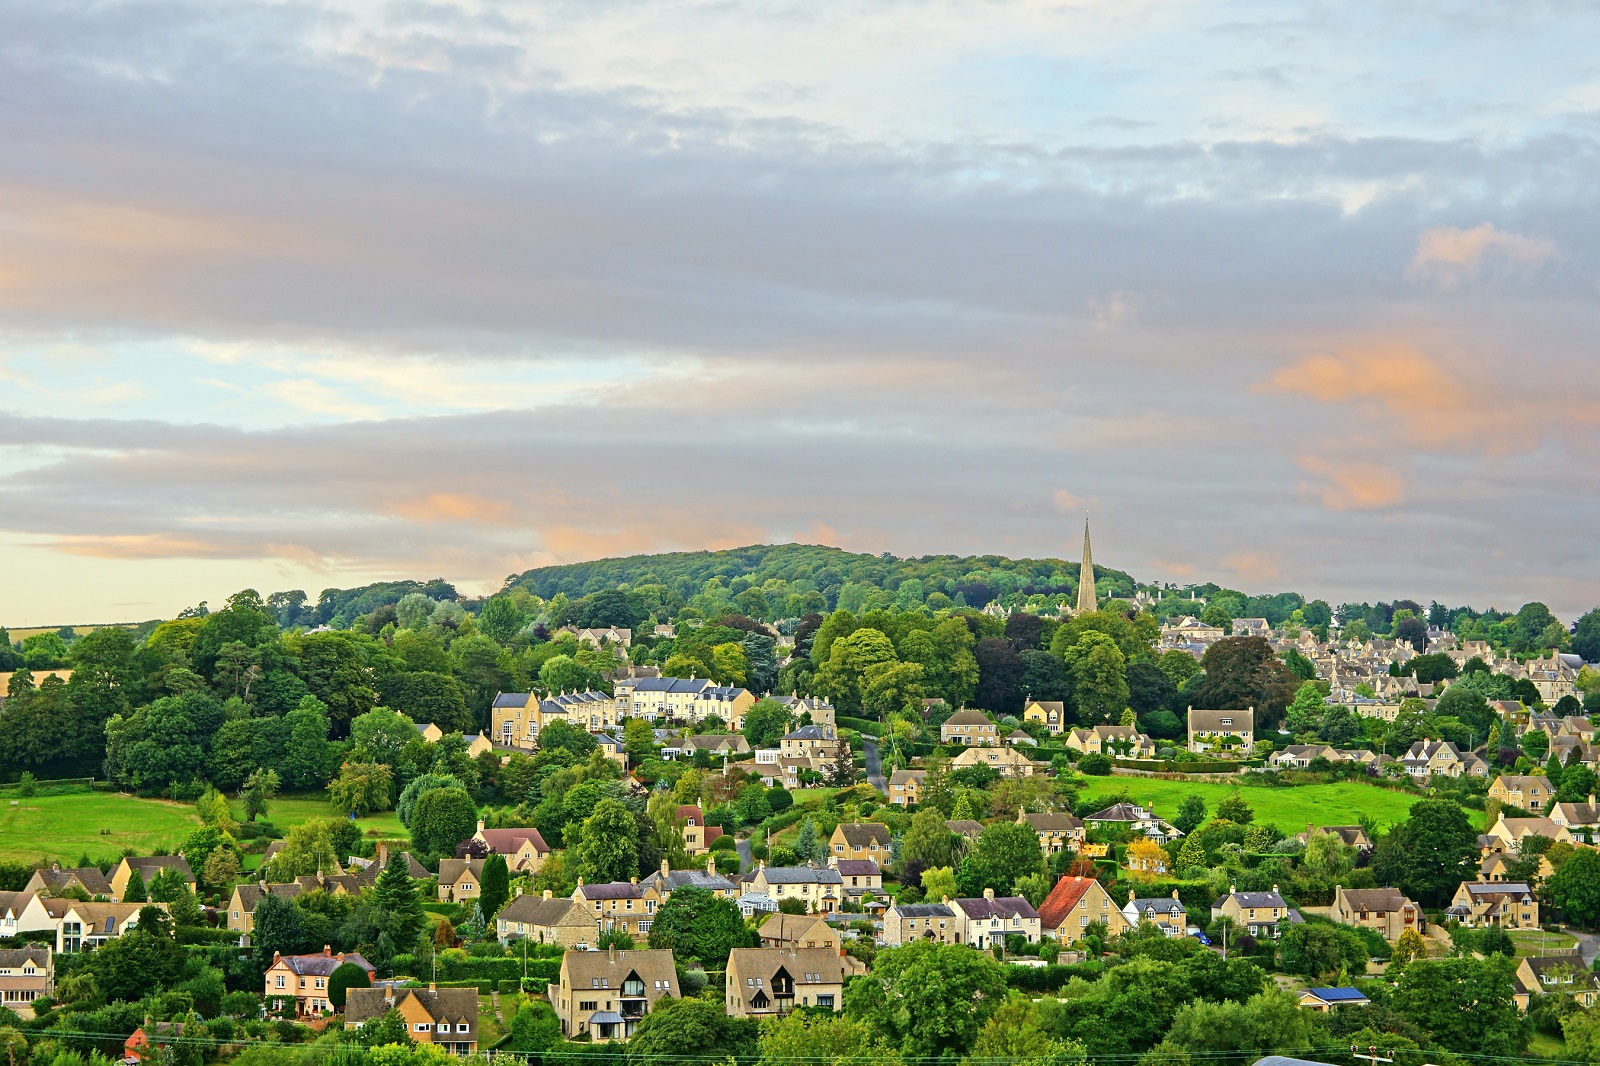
{"x":1352,"y":486}
{"x":1450,"y":257}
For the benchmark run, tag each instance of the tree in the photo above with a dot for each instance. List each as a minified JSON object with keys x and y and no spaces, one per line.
{"x":500,"y":620}
{"x":607,"y":848}
{"x":345,"y":977}
{"x":1463,"y":1004}
{"x":361,"y":788}
{"x":764,"y":723}
{"x":679,"y":1030}
{"x":564,"y":736}
{"x":891,"y":687}
{"x":135,"y":891}
{"x":1409,"y":946}
{"x":1575,"y":888}
{"x":842,"y":674}
{"x":931,"y":999}
{"x":382,"y":734}
{"x":1150,"y":690}
{"x":1339,"y":725}
{"x":939,"y":883}
{"x":259,"y":789}
{"x":443,"y":817}
{"x":1586,"y":636}
{"x":398,"y":903}
{"x":407,"y":803}
{"x":1003,"y":853}
{"x":1317,"y":949}
{"x":221,"y":869}
{"x":694,"y":922}
{"x":823,"y":1040}
{"x":1307,"y":709}
{"x":1437,"y":845}
{"x":278,"y":927}
{"x":1328,"y":854}
{"x":1236,"y":809}
{"x":999,"y":676}
{"x":494,"y":886}
{"x":534,"y":1028}
{"x":1015,"y":1033}
{"x":1191,"y":813}
{"x":928,"y":840}
{"x":1243,"y":672}
{"x":308,"y":754}
{"x":1097,"y":671}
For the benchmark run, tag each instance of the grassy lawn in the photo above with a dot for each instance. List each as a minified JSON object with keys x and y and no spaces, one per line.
{"x":286,"y":811}
{"x":1533,"y":942}
{"x":1545,"y":1046}
{"x":63,"y":828}
{"x":1290,"y":809}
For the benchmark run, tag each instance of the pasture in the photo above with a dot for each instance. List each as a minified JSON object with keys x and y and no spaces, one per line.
{"x":1290,"y":809}
{"x":64,"y":827}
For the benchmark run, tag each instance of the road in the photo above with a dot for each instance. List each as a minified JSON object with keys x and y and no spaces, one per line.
{"x":1588,"y":946}
{"x":746,"y":861}
{"x":874,"y":765}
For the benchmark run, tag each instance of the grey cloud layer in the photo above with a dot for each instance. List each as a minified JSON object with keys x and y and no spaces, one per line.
{"x":909,"y":347}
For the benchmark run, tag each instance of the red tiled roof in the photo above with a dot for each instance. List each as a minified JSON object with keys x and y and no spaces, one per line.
{"x":1059,"y":903}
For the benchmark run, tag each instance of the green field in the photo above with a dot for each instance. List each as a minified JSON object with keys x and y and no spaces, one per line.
{"x":1290,"y":809}
{"x":1534,"y":942}
{"x":63,"y":828}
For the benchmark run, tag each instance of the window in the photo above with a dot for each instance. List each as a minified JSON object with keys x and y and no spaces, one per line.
{"x":278,"y":981}
{"x":461,"y":1027}
{"x":423,"y":1027}
{"x":444,"y":1027}
{"x":466,"y":886}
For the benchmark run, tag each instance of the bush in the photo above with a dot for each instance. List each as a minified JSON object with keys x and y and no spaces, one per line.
{"x":1095,"y":765}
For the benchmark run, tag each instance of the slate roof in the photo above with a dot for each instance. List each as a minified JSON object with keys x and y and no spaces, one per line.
{"x":536,"y":910}
{"x":999,"y":907}
{"x":1254,"y":899}
{"x":969,"y":717}
{"x":1052,"y":822}
{"x":857,"y":868}
{"x":1377,"y":900}
{"x":800,"y":875}
{"x":322,"y":965}
{"x":924,"y":910}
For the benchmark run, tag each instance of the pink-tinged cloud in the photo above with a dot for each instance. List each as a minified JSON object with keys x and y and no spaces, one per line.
{"x":1351,"y":486}
{"x":1450,"y":257}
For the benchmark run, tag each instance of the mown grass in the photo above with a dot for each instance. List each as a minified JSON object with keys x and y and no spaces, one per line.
{"x":1535,"y":942}
{"x":63,"y":828}
{"x":1289,"y":808}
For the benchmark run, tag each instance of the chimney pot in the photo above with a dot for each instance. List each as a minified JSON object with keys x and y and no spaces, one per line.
{"x":665,"y":868}
{"x":327,"y":949}
{"x":547,"y":893}
{"x":988,"y":893}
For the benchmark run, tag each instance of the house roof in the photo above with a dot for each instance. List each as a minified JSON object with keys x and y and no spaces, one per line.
{"x":1211,"y":721}
{"x":857,"y":868}
{"x":782,"y":926}
{"x":1120,"y":812}
{"x":861,"y":834}
{"x":998,"y":907}
{"x":965,"y":827}
{"x":454,"y":1005}
{"x":16,"y":958}
{"x":807,"y":732}
{"x":651,"y":965}
{"x":763,"y":963}
{"x":452,"y":870}
{"x":1338,"y":995}
{"x":97,"y":883}
{"x":1254,"y":899}
{"x":1052,"y":822}
{"x":900,"y":777}
{"x":507,"y":841}
{"x":1160,"y":904}
{"x":1062,"y":898}
{"x":1046,"y":705}
{"x":1493,"y":890}
{"x":800,"y":875}
{"x":1379,"y":900}
{"x":321,"y":964}
{"x":924,"y":910}
{"x":536,"y":910}
{"x":969,"y":717}
{"x":150,"y":865}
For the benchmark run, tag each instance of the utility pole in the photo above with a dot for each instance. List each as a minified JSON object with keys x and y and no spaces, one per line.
{"x":1372,"y":1056}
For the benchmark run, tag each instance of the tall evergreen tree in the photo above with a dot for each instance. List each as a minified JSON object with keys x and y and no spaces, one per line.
{"x":136,"y":892}
{"x":399,"y":904}
{"x":494,"y":886}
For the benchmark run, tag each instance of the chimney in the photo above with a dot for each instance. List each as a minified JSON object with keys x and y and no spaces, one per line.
{"x":1174,"y":893}
{"x":613,"y":951}
{"x":547,"y":893}
{"x":383,"y":854}
{"x":665,"y":868}
{"x":276,"y":955}
{"x":480,"y":825}
{"x":711,"y":865}
{"x":327,"y":949}
{"x":1233,"y":890}
{"x":432,"y":987}
{"x":988,"y":893}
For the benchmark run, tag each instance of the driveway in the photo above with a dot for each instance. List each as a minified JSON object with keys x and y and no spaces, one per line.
{"x":1588,"y":946}
{"x":875,"y":776}
{"x":746,"y":861}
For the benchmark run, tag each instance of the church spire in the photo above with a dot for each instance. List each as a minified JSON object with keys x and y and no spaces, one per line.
{"x":1086,"y":597}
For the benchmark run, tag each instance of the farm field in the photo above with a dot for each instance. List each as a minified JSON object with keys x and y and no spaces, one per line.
{"x":1290,"y":809}
{"x":65,"y":827}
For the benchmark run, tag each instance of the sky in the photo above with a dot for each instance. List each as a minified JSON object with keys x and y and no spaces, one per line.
{"x":1282,"y":295}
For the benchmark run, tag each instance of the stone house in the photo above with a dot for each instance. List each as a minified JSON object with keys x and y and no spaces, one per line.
{"x":304,"y":978}
{"x":1052,"y":714}
{"x":460,"y":879}
{"x":769,"y":982}
{"x":1264,"y":915}
{"x":1222,"y":731}
{"x":1510,"y":904}
{"x":1385,"y":910}
{"x":799,"y":931}
{"x":26,"y":973}
{"x":606,"y":994}
{"x":524,"y":848}
{"x":860,"y":840}
{"x":446,"y":1017}
{"x":905,"y":787}
{"x":148,"y":866}
{"x":1074,"y":904}
{"x":969,"y":727}
{"x":1057,"y":831}
{"x":548,"y":919}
